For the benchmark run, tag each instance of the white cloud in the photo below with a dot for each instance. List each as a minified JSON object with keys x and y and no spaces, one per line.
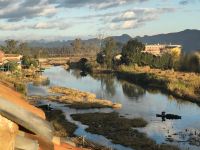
{"x":134,"y":18}
{"x":94,"y":4}
{"x":17,"y":10}
{"x":129,"y":24}
{"x":53,"y":24}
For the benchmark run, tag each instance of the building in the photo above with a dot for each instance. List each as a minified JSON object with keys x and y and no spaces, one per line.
{"x":5,"y":58}
{"x":12,"y":57}
{"x":1,"y":57}
{"x":159,"y":49}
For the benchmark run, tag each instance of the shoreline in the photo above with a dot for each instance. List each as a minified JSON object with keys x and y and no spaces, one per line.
{"x":76,"y":99}
{"x":63,"y":128}
{"x":122,"y":130}
{"x":148,"y":80}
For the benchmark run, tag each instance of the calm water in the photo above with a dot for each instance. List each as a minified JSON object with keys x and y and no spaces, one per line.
{"x":136,"y":102}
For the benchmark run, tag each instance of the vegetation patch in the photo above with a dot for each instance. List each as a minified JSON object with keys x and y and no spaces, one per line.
{"x":120,"y":130}
{"x":77,"y":99}
{"x":62,"y":127}
{"x":179,"y":84}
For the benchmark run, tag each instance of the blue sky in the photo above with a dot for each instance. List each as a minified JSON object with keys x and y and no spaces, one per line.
{"x":68,"y":19}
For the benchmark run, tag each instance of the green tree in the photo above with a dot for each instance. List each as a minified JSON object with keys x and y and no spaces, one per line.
{"x":77,"y":45}
{"x":131,"y":52}
{"x":100,"y":58}
{"x":109,"y":50}
{"x":27,"y":62}
{"x":24,"y":49}
{"x":10,"y":66}
{"x":11,"y":46}
{"x":190,"y":62}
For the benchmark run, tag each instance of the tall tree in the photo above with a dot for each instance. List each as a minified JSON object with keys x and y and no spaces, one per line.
{"x":77,"y":45}
{"x":11,"y":45}
{"x":131,"y":52}
{"x":24,"y":49}
{"x":109,"y":49}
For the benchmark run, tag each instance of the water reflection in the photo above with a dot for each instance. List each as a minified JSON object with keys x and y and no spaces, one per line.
{"x":107,"y":83}
{"x":132,"y":91}
{"x":76,"y":73}
{"x":136,"y":102}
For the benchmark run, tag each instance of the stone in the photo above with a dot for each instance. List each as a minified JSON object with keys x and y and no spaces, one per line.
{"x":8,"y":132}
{"x":26,"y":143}
{"x":26,"y":119}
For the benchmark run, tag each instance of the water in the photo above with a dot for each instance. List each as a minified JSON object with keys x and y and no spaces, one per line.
{"x":136,"y":102}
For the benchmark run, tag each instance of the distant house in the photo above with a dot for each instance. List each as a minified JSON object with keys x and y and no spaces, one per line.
{"x":5,"y":58}
{"x":1,"y":57}
{"x":157,"y":49}
{"x":12,"y":57}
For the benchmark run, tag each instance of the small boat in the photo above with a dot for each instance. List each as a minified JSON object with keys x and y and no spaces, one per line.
{"x":164,"y":116}
{"x":46,"y":107}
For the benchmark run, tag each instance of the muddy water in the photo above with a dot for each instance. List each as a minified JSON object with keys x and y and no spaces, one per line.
{"x":136,"y":102}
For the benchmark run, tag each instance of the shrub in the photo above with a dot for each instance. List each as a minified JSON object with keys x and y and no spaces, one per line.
{"x":20,"y":87}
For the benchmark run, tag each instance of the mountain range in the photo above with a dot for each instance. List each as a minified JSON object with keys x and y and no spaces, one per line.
{"x":189,"y":39}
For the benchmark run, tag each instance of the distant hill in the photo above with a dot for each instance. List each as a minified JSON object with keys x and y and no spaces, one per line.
{"x":189,"y":39}
{"x":122,"y":39}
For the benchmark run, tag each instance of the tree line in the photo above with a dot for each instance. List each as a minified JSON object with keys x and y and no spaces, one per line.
{"x":132,"y":53}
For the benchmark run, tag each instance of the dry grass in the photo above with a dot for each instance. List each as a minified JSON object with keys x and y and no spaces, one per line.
{"x":77,"y":99}
{"x":182,"y":84}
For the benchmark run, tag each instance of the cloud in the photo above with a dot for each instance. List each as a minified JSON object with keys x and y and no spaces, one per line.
{"x":53,"y":24}
{"x":16,"y":10}
{"x":186,"y":2}
{"x":5,"y":3}
{"x":95,"y":4}
{"x":134,"y":18}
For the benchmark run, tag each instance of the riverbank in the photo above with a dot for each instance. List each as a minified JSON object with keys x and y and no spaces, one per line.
{"x":120,"y":130}
{"x":65,"y":129}
{"x":18,"y":80}
{"x":76,"y":99}
{"x":182,"y":85}
{"x":179,"y":84}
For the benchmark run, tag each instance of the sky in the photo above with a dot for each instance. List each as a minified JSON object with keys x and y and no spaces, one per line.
{"x":69,"y":19}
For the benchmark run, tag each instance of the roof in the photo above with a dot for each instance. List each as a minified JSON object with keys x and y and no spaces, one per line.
{"x":1,"y":52}
{"x":13,"y":55}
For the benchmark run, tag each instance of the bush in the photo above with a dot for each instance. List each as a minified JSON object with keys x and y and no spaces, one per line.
{"x":10,"y":66}
{"x":20,"y":87}
{"x":27,"y":62}
{"x":190,"y":62}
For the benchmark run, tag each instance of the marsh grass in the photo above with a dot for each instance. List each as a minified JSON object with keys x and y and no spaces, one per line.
{"x":120,"y":130}
{"x":180,"y":84}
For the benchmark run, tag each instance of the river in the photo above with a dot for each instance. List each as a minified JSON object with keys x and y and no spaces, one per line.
{"x":136,"y":102}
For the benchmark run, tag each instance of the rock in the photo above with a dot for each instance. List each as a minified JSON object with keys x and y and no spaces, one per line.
{"x":8,"y":132}
{"x":26,"y":119}
{"x":43,"y":143}
{"x":56,"y":140}
{"x":26,"y":143}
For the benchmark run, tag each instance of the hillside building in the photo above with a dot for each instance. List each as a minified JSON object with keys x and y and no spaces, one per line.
{"x":157,"y":49}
